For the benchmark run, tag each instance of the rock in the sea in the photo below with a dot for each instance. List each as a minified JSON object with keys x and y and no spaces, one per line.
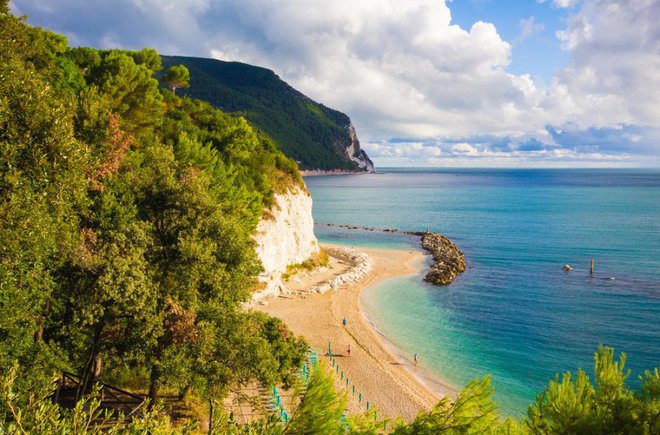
{"x":449,"y":261}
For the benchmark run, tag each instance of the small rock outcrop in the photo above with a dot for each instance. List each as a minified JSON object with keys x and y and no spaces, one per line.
{"x":449,"y":261}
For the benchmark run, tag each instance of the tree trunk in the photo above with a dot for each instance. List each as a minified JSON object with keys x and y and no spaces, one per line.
{"x":154,"y":385}
{"x":96,"y":367}
{"x":182,"y":393}
{"x":39,"y":333}
{"x":86,"y":375}
{"x":211,"y":415}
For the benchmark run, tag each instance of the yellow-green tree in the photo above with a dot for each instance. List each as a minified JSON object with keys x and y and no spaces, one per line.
{"x":177,"y":77}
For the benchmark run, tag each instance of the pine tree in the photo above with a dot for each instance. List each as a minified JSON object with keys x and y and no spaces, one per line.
{"x":176,"y":77}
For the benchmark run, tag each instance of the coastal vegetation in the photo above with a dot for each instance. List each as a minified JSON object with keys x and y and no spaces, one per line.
{"x":126,"y":219}
{"x":569,"y":405}
{"x":316,"y":260}
{"x":126,"y":257}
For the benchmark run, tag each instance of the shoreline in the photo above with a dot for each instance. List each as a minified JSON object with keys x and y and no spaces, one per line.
{"x":423,"y":375}
{"x":381,"y":372}
{"x":324,"y":172}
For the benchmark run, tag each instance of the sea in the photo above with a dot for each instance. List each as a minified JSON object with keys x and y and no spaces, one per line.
{"x":514,"y":314}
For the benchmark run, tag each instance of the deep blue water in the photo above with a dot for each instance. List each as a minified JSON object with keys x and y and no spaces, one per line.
{"x":514,"y":313}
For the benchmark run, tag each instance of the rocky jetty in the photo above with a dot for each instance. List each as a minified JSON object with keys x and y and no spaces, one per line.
{"x":449,"y":261}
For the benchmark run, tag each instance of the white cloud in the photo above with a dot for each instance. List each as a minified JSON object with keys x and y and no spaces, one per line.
{"x":561,"y":3}
{"x":528,"y":27}
{"x":402,"y":68}
{"x":614,"y":75}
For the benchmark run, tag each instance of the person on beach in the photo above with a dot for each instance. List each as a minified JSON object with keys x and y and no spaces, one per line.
{"x":348,"y":351}
{"x":344,"y":321}
{"x":415,"y":358}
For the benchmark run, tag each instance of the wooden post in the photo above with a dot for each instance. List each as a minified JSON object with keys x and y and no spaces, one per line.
{"x":591,"y":267}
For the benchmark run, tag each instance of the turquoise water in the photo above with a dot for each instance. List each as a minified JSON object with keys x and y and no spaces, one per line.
{"x":514,"y":313}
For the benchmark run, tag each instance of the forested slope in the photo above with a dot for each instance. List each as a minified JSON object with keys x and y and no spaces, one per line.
{"x":316,"y":136}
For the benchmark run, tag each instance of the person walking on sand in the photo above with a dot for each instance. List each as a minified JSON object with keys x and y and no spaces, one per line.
{"x":415,"y":358}
{"x":348,"y":351}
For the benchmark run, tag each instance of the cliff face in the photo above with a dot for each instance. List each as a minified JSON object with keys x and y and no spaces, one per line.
{"x":356,"y":154}
{"x":285,"y":238}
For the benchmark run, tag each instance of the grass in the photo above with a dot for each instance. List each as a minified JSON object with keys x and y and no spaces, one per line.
{"x":316,"y":260}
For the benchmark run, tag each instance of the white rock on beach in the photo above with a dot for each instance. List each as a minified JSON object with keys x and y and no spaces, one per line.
{"x":361,"y":265}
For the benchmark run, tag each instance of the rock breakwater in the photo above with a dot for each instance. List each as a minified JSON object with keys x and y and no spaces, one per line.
{"x":449,"y":261}
{"x":361,"y":265}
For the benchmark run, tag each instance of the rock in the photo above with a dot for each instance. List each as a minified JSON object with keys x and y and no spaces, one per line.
{"x":284,"y":237}
{"x":567,"y":268}
{"x":361,"y":265}
{"x":449,"y":261}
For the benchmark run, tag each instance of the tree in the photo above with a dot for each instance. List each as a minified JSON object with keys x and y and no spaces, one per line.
{"x":606,"y":406}
{"x":320,"y":408}
{"x":473,"y":412}
{"x":43,"y":188}
{"x":176,"y":77}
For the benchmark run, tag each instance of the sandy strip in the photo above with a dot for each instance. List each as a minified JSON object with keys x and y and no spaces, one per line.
{"x":382,"y":373}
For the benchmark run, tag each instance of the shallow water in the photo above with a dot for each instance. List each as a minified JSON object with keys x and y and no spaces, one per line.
{"x":514,"y":313}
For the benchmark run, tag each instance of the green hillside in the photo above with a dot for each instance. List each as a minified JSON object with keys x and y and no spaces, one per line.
{"x":312,"y":134}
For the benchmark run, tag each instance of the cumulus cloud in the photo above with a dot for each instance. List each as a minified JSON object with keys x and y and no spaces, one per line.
{"x":403,"y":69}
{"x":614,"y":76}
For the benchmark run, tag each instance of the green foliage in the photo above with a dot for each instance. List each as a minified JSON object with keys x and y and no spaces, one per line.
{"x":367,"y":423}
{"x":132,"y":94}
{"x":473,"y":412}
{"x":176,"y":76}
{"x":605,"y":406}
{"x":149,"y":58}
{"x":315,"y":261}
{"x":307,"y":132}
{"x":126,"y":218}
{"x":42,"y":416}
{"x":320,"y":408}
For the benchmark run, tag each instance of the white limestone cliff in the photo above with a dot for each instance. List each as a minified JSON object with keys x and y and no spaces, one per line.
{"x":356,"y":154}
{"x":286,"y":237}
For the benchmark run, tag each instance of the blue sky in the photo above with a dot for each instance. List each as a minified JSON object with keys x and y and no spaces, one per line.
{"x":530,"y":26}
{"x":426,"y":82}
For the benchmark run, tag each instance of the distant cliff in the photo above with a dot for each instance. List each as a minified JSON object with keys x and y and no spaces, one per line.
{"x":317,"y":137}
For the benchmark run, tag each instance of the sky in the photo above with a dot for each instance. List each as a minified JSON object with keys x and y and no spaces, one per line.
{"x":511,"y":83}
